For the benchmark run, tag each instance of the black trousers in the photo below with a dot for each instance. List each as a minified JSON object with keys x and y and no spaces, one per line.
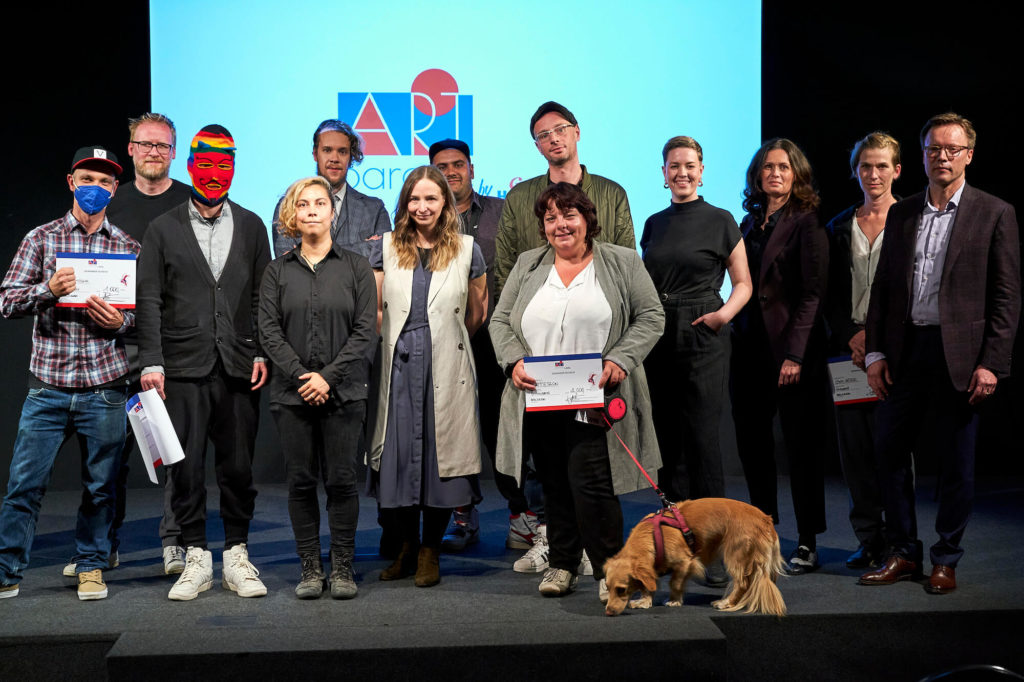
{"x":687,"y":372}
{"x":322,"y":443}
{"x":803,"y":409}
{"x":582,"y":509}
{"x":225,"y":411}
{"x":855,"y":425}
{"x":490,"y":384}
{"x":923,"y":385}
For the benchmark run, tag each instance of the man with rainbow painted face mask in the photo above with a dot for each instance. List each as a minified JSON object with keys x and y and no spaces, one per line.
{"x":198,"y":297}
{"x":78,"y":377}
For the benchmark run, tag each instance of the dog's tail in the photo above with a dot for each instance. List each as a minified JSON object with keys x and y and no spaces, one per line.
{"x":766,"y":565}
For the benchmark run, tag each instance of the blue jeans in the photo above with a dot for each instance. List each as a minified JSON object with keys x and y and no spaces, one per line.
{"x":48,"y":418}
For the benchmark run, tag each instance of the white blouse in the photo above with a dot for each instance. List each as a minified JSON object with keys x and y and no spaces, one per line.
{"x":863,"y":263}
{"x":564,"y":320}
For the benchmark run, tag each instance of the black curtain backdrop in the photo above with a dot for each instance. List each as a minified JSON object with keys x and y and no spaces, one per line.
{"x":830,"y":75}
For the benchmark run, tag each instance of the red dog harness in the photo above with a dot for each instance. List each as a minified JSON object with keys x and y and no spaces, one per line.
{"x":677,"y":521}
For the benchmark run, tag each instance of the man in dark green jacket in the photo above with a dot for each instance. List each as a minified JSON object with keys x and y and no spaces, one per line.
{"x":555,"y":132}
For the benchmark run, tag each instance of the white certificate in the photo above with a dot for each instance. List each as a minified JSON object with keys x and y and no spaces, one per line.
{"x":111,"y":276}
{"x":849,"y":383}
{"x":564,"y":382}
{"x":154,"y":432}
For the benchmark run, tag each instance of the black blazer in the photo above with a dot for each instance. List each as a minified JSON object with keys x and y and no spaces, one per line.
{"x":791,"y":286}
{"x":979,"y":294}
{"x":185,"y":318}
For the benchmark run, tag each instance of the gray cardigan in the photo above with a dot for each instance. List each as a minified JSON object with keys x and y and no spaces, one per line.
{"x":638,"y":320}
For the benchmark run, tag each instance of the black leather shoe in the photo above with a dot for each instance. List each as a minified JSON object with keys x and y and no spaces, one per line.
{"x":896,"y":568}
{"x":864,"y":558}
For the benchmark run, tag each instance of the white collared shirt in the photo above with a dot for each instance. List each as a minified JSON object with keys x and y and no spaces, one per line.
{"x":564,"y":320}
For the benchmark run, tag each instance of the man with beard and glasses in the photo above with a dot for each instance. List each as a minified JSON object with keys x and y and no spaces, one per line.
{"x":151,"y":144}
{"x":359,"y":219}
{"x":199,"y":280}
{"x":555,"y":132}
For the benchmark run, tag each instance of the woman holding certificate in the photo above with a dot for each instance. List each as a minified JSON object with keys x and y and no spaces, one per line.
{"x":317,"y":324}
{"x":778,"y":357}
{"x":577,"y":296}
{"x":426,"y":442}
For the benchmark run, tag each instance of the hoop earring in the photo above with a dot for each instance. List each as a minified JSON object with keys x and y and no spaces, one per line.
{"x":666,"y":185}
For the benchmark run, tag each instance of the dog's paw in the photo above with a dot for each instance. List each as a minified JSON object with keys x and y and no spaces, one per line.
{"x":641,"y":602}
{"x":674,"y":602}
{"x":721,"y":604}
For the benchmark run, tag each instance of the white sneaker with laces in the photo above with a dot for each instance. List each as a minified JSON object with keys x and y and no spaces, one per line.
{"x":602,"y":591}
{"x":240,"y":576}
{"x":174,"y":559}
{"x":196,"y":577}
{"x":522,"y":530}
{"x":586,"y":568}
{"x":536,"y":559}
{"x":557,"y":582}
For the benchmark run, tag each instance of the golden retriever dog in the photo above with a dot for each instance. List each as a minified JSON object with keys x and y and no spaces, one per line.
{"x":741,"y":534}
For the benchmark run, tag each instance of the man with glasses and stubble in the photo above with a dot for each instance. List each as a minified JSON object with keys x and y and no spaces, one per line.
{"x":939,"y":333}
{"x":151,"y":145}
{"x":556,"y":132}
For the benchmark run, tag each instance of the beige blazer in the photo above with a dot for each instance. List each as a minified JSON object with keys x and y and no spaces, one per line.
{"x":456,"y":418}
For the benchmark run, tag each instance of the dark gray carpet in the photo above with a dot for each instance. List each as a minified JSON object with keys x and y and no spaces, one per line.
{"x":486,"y":621}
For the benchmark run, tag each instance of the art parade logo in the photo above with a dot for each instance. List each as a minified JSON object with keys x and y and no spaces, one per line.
{"x":407,"y":123}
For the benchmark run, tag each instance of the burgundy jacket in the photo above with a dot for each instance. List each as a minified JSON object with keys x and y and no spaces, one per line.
{"x":979,"y":295}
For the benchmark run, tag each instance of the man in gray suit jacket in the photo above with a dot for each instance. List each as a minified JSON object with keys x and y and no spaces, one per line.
{"x":359,"y":219}
{"x":944,"y":307}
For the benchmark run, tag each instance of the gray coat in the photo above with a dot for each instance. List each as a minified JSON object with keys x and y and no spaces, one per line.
{"x":637,"y":323}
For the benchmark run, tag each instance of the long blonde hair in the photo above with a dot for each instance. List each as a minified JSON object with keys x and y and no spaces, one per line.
{"x":448,"y":244}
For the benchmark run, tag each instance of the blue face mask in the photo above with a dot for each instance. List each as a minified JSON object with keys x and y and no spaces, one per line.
{"x":92,"y":198}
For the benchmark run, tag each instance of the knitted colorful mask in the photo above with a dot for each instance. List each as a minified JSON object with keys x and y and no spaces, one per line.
{"x":211,"y":164}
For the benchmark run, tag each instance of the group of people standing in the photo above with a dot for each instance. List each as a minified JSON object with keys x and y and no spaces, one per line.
{"x":408,"y":345}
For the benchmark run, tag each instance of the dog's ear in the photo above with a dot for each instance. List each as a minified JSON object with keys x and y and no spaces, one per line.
{"x":644,"y":573}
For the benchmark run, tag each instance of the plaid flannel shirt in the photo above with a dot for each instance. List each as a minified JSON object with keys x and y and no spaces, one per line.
{"x":68,"y":348}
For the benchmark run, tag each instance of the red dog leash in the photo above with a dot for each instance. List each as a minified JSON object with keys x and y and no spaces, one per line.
{"x":616,"y":407}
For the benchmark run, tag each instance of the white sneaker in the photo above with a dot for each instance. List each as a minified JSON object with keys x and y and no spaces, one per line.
{"x":522,"y":530}
{"x":536,"y":559}
{"x":71,"y":570}
{"x":174,"y":559}
{"x":196,"y":577}
{"x":240,"y":576}
{"x":602,"y":591}
{"x":586,"y":568}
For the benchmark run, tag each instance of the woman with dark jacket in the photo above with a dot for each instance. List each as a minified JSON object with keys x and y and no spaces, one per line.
{"x":855,"y":243}
{"x":778,"y":361}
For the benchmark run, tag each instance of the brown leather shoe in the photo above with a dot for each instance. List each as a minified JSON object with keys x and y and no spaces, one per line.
{"x":404,"y":565}
{"x":942,"y":580}
{"x":896,"y":568}
{"x":428,"y":569}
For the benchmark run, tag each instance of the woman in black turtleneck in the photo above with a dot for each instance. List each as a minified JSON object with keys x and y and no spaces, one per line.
{"x":687,"y":248}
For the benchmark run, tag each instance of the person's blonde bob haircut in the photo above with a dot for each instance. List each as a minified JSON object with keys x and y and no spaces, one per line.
{"x":289,"y":227}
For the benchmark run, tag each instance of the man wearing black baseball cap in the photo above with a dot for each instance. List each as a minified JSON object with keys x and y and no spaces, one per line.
{"x":78,"y":376}
{"x":556,"y":132}
{"x":479,"y":217}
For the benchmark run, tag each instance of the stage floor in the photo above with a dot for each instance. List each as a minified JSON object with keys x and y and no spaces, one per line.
{"x":485,"y":621}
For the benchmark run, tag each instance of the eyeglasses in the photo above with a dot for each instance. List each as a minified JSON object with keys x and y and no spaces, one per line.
{"x":952,"y":150}
{"x":543,"y":135}
{"x":162,"y":147}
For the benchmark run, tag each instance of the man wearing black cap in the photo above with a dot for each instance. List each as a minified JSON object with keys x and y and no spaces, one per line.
{"x":78,"y":376}
{"x":199,"y":278}
{"x":555,"y":132}
{"x":359,"y":219}
{"x":152,"y":139}
{"x":479,"y":217}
